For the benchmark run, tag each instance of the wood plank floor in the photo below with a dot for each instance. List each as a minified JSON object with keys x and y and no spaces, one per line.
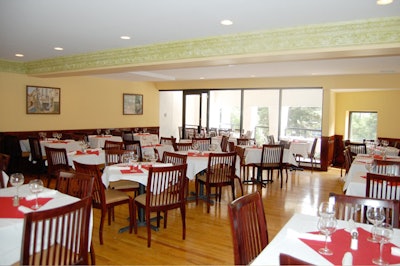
{"x":208,"y":236}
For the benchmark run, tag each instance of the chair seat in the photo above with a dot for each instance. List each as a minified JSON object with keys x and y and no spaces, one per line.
{"x":124,"y":184}
{"x":213,"y":179}
{"x":113,"y":195}
{"x":266,"y":165}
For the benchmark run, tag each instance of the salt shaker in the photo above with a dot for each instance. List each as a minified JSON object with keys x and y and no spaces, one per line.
{"x":354,"y":240}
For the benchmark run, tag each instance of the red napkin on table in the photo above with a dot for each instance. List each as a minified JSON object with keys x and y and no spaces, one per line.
{"x":7,"y":209}
{"x":378,"y":157}
{"x":93,"y":152}
{"x":132,"y":170}
{"x":59,"y":141}
{"x":195,"y":154}
{"x":146,"y":166}
{"x":366,"y":251}
{"x":79,"y":153}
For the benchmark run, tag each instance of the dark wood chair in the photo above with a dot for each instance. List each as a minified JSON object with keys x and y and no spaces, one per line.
{"x":285,"y":259}
{"x":248,"y":227}
{"x":386,"y":167}
{"x":204,"y":143}
{"x":183,"y":146}
{"x":245,"y":141}
{"x":79,"y":185}
{"x":168,"y":141}
{"x":271,"y":140}
{"x":105,"y":199}
{"x":135,"y":146}
{"x":57,"y":160}
{"x":356,"y":208}
{"x":38,"y":159}
{"x":244,"y":167}
{"x":356,"y":148}
{"x":113,"y":145}
{"x":348,"y":160}
{"x":382,"y":186}
{"x":271,"y":159}
{"x":4,"y":161}
{"x":224,"y":143}
{"x":164,"y":192}
{"x":64,"y":247}
{"x":174,"y":158}
{"x":220,"y":172}
{"x":310,"y":156}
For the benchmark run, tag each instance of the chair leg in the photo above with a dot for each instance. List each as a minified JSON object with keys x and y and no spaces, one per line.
{"x":148,"y":226}
{"x":165,"y":219}
{"x":183,"y":215}
{"x":102,"y":218}
{"x":92,"y":254}
{"x":240,"y":184}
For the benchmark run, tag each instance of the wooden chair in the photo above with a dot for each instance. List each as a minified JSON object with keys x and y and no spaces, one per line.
{"x":271,"y":140}
{"x":271,"y":159}
{"x":105,"y":199}
{"x":135,"y":146}
{"x":356,"y":208}
{"x":37,"y":158}
{"x":244,"y":167}
{"x":356,"y":148}
{"x":4,"y":161}
{"x":168,"y":141}
{"x":220,"y":172}
{"x":224,"y":143}
{"x":382,"y":186}
{"x":386,"y":167}
{"x":245,"y":141}
{"x":79,"y":185}
{"x":115,"y":156}
{"x":310,"y":156}
{"x":53,"y":246}
{"x":183,"y":146}
{"x":164,"y":192}
{"x":174,"y":158}
{"x":57,"y":160}
{"x":248,"y":227}
{"x":113,"y":145}
{"x":285,"y":259}
{"x":204,"y":143}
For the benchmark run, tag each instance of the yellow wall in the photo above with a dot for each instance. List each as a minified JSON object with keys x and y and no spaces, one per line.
{"x":86,"y":102}
{"x":386,"y":103}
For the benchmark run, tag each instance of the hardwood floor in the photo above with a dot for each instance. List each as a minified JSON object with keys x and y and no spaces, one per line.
{"x":208,"y":236}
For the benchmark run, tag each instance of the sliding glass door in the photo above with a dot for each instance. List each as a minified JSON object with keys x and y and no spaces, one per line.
{"x":195,"y":113}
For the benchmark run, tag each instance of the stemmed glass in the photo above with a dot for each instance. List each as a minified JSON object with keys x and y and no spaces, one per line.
{"x":326,"y":209}
{"x":195,"y":146}
{"x":16,"y":180}
{"x":326,"y":225}
{"x":375,"y":216}
{"x":36,"y":186}
{"x":383,"y":233}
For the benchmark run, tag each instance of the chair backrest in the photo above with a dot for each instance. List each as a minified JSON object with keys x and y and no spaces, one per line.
{"x":79,"y":185}
{"x":135,"y":146}
{"x":356,"y":148}
{"x":166,"y":186}
{"x":98,"y":192}
{"x":248,"y":226}
{"x":204,"y":143}
{"x":382,"y":186}
{"x":272,"y":153}
{"x":356,"y":208}
{"x":57,"y":159}
{"x":313,"y":147}
{"x":285,"y":143}
{"x":348,"y":159}
{"x":36,"y":149}
{"x":386,"y":167}
{"x":183,"y":146}
{"x":224,"y":143}
{"x":58,"y":236}
{"x":271,"y":139}
{"x":127,"y":135}
{"x":285,"y":259}
{"x":4,"y":161}
{"x":221,"y":168}
{"x":240,"y":152}
{"x":167,"y":141}
{"x":245,"y":141}
{"x":113,"y":145}
{"x":115,"y":156}
{"x":174,"y":158}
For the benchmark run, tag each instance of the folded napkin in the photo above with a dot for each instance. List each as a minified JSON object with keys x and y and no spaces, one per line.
{"x":395,"y":251}
{"x":310,"y":236}
{"x":347,"y":259}
{"x":79,"y":152}
{"x":93,"y":152}
{"x":44,"y":194}
{"x":131,"y":170}
{"x":24,"y":209}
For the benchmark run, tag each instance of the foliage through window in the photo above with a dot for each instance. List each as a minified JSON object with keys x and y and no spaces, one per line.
{"x":363,"y":125}
{"x":304,"y":121}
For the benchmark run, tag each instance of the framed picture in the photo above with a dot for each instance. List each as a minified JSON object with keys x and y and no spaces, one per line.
{"x":42,"y":100}
{"x":133,"y":104}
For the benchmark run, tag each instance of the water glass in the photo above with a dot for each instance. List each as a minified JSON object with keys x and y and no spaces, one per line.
{"x":16,"y":180}
{"x":36,"y":186}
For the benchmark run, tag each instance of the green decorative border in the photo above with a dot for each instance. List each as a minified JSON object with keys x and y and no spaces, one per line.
{"x":333,"y":36}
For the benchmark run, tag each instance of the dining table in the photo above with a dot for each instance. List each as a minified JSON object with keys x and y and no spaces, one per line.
{"x":12,"y":217}
{"x":97,"y":141}
{"x":252,"y":154}
{"x":146,"y":139}
{"x":161,"y":148}
{"x":87,"y":156}
{"x":68,"y":144}
{"x":299,"y":238}
{"x":355,"y":181}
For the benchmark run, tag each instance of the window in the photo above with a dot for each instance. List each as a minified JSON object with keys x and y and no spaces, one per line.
{"x":362,"y":125}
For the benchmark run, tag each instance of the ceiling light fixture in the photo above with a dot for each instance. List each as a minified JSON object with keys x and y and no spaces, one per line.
{"x":19,"y":55}
{"x":58,"y":48}
{"x":125,"y":37}
{"x":226,"y":22}
{"x":383,"y":2}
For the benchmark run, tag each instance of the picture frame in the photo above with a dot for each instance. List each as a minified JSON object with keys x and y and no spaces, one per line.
{"x":132,"y":104}
{"x":42,"y":100}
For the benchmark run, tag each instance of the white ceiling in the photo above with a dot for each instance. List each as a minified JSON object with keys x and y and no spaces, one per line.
{"x":35,"y":27}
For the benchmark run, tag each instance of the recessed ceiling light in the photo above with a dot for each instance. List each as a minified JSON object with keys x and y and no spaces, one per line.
{"x":125,"y":37}
{"x":383,"y":2}
{"x":226,"y":22}
{"x":19,"y":55}
{"x":58,"y":48}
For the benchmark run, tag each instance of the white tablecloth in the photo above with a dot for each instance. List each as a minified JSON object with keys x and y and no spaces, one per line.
{"x":285,"y":242}
{"x":253,"y":155}
{"x":97,"y":141}
{"x":161,"y":148}
{"x":68,"y":144}
{"x":11,"y":228}
{"x":87,"y":157}
{"x":146,"y":139}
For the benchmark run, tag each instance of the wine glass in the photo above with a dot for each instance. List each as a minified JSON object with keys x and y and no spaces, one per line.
{"x":195,"y":146}
{"x":16,"y":180}
{"x":36,"y":186}
{"x":383,"y":233}
{"x":375,"y":216}
{"x":326,"y":209}
{"x":326,"y":225}
{"x":368,"y":166}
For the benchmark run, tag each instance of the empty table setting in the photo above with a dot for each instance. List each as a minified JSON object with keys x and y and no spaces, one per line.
{"x":300,"y":239}
{"x":68,"y":144}
{"x":12,"y":217}
{"x":97,"y":141}
{"x":88,"y":156}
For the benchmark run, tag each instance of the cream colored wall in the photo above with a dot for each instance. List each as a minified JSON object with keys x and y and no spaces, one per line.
{"x":86,"y":102}
{"x":386,"y":103}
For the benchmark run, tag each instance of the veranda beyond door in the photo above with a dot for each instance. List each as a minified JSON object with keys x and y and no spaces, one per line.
{"x":195,"y":112}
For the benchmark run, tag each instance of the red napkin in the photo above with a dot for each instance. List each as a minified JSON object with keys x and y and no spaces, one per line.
{"x":7,"y":209}
{"x":379,"y":157}
{"x":195,"y":154}
{"x":59,"y":141}
{"x":341,"y":244}
{"x":146,"y":166}
{"x":79,"y":153}
{"x":132,"y":170}
{"x":93,"y":152}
